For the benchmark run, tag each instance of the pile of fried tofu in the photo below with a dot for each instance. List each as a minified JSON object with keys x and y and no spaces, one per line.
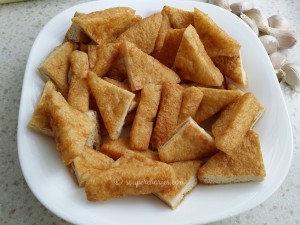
{"x":162,"y":77}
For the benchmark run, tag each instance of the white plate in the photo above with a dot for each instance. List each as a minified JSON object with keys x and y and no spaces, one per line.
{"x":52,"y":184}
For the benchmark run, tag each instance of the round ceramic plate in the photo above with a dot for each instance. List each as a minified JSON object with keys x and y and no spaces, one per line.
{"x":52,"y":184}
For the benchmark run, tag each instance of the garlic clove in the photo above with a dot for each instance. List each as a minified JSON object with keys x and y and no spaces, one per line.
{"x":270,"y":43}
{"x":281,"y":76}
{"x":287,"y":38}
{"x":250,"y":22}
{"x":239,"y":7}
{"x":278,"y":60}
{"x":221,"y":3}
{"x":292,"y":75}
{"x":277,"y":21}
{"x":260,"y":19}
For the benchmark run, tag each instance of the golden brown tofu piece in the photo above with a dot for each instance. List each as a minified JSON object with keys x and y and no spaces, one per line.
{"x":192,"y":62}
{"x":56,"y":66}
{"x":246,"y":165}
{"x":143,"y":123}
{"x":167,"y":116}
{"x":179,"y":18}
{"x":235,"y":121}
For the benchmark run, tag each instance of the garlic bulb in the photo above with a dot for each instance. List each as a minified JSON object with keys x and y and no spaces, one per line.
{"x":270,"y":43}
{"x":251,"y":23}
{"x":286,"y":38}
{"x":292,"y":75}
{"x":278,"y":60}
{"x":239,"y":7}
{"x":277,"y":21}
{"x":259,"y":18}
{"x":221,"y":3}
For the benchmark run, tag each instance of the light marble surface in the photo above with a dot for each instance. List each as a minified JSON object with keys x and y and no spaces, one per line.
{"x":19,"y":25}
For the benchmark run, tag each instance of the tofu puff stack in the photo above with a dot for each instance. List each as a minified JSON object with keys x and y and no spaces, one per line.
{"x":164,"y":75}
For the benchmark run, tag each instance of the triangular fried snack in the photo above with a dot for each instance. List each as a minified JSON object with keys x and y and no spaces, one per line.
{"x":186,"y":175}
{"x":71,"y":127}
{"x":235,"y":121}
{"x":144,"y":33}
{"x":192,"y":62}
{"x":113,"y":103}
{"x":143,"y":69}
{"x":117,"y":148}
{"x":215,"y":40}
{"x":107,"y":53}
{"x":107,"y":25}
{"x":56,"y":66}
{"x":164,"y":27}
{"x":232,"y":67}
{"x":213,"y":101}
{"x":39,"y":120}
{"x":89,"y":163}
{"x":246,"y":166}
{"x":170,"y":47}
{"x":179,"y":18}
{"x":189,"y":142}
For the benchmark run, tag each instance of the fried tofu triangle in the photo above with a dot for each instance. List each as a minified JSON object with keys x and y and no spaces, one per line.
{"x":167,"y":116}
{"x":71,"y":127}
{"x":143,"y":69}
{"x":186,"y":180}
{"x":143,"y":123}
{"x":117,"y":148}
{"x":215,"y":40}
{"x":89,"y":163}
{"x":113,"y":103}
{"x":56,"y":66}
{"x":39,"y":120}
{"x":192,"y":62}
{"x":134,"y":177}
{"x":246,"y":166}
{"x":144,"y":33}
{"x":191,"y":99}
{"x":214,"y":100}
{"x":107,"y":25}
{"x":189,"y":142}
{"x":78,"y":95}
{"x":235,"y":121}
{"x":179,"y":18}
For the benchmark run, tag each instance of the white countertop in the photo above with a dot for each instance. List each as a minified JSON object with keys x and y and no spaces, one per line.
{"x":19,"y":25}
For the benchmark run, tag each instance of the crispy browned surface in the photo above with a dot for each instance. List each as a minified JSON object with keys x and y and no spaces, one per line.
{"x":232,"y":87}
{"x":213,"y":101}
{"x":143,"y":69}
{"x":106,"y":55}
{"x":170,"y":47}
{"x":107,"y":25}
{"x":191,"y":99}
{"x":246,"y":165}
{"x":125,"y":85}
{"x":143,"y":123}
{"x":89,"y":162}
{"x":113,"y":103}
{"x":78,"y":95}
{"x":167,"y":116}
{"x":231,"y":67}
{"x":71,"y":127}
{"x":192,"y":62}
{"x":216,"y":41}
{"x":189,"y":142}
{"x":144,"y":33}
{"x":130,"y":178}
{"x":235,"y":121}
{"x":118,"y":69}
{"x":164,"y":27}
{"x":56,"y":66}
{"x":179,"y":18}
{"x":92,"y":55}
{"x":186,"y":178}
{"x":117,"y":148}
{"x":39,"y":120}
